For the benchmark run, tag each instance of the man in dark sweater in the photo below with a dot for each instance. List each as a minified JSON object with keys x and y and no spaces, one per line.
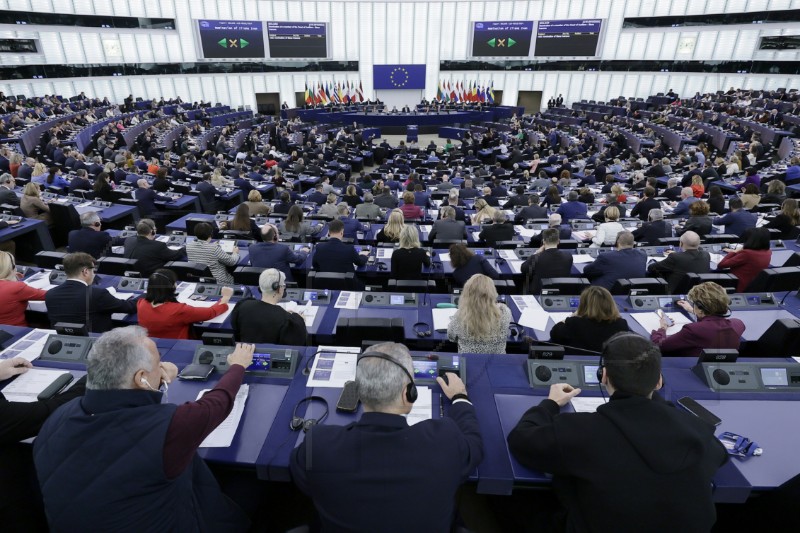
{"x":641,"y":449}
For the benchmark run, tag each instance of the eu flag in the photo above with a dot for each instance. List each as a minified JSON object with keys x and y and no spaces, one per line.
{"x":398,"y":76}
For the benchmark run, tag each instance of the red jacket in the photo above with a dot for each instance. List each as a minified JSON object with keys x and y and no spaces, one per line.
{"x":746,"y":265}
{"x":411,"y":211}
{"x":171,"y":320}
{"x":14,"y":298}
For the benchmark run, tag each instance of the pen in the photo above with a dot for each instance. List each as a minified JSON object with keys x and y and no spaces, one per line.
{"x":441,"y":406}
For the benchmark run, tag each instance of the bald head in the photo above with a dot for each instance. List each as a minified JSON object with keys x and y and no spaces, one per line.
{"x":690,"y":241}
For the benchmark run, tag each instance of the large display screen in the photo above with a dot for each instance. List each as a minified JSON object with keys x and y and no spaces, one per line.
{"x":501,"y":38}
{"x":231,"y":39}
{"x":297,"y":39}
{"x":567,"y":37}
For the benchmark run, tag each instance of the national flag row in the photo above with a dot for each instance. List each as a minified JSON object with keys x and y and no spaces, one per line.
{"x":334,"y":93}
{"x":448,"y":91}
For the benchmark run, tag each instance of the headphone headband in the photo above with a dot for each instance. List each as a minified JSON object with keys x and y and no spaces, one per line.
{"x":411,"y":388}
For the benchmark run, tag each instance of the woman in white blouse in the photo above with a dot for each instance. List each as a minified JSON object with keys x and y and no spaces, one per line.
{"x":608,"y":230}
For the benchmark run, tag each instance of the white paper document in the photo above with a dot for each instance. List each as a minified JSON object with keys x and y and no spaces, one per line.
{"x":650,"y":321}
{"x":333,"y":366}
{"x":441,"y":318}
{"x":222,"y":436}
{"x":476,"y":235}
{"x":524,"y":302}
{"x":444,"y":257}
{"x":227,"y":245}
{"x":534,"y":318}
{"x":426,"y":229}
{"x":348,"y":300}
{"x":525,"y":232}
{"x":559,"y":316}
{"x":30,"y":346}
{"x":308,"y":311}
{"x":119,"y":295}
{"x":422,"y":409}
{"x":384,"y":253}
{"x":577,"y":259}
{"x":40,"y":280}
{"x":26,"y":387}
{"x":508,"y":255}
{"x":586,"y":405}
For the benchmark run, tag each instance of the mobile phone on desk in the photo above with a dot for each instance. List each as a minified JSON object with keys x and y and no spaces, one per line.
{"x":348,"y":400}
{"x":699,"y":411}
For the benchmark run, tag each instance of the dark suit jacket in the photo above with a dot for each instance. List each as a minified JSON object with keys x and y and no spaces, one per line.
{"x":650,"y":232}
{"x":88,"y":240}
{"x":68,"y":303}
{"x":275,"y":255}
{"x":317,"y":197}
{"x":678,"y":263}
{"x":152,"y":255}
{"x":80,"y":183}
{"x":336,"y":256}
{"x":145,"y":201}
{"x":421,"y":465}
{"x":208,"y":196}
{"x":531,"y":212}
{"x":448,"y":230}
{"x":551,"y":263}
{"x":618,"y":264}
{"x":564,"y":233}
{"x":494,"y":233}
{"x":7,"y":196}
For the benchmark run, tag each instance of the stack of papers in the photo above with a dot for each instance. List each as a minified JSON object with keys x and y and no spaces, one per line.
{"x":651,"y":321}
{"x":222,"y":436}
{"x":384,"y":253}
{"x":508,"y":255}
{"x":333,"y":366}
{"x":227,"y":245}
{"x":525,"y":232}
{"x":308,"y":311}
{"x":441,"y":318}
{"x":348,"y":300}
{"x":582,"y":258}
{"x":30,"y":346}
{"x":422,"y":409}
{"x":26,"y":387}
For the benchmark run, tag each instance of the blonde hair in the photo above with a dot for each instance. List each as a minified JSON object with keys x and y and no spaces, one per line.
{"x":697,"y":180}
{"x":39,"y":169}
{"x":482,"y":211}
{"x":616,"y":190}
{"x":712,"y":298}
{"x":409,"y":237}
{"x":611,"y":213}
{"x":7,"y":267}
{"x":394,"y":226}
{"x":477,"y":308}
{"x":31,"y":189}
{"x":254,"y":196}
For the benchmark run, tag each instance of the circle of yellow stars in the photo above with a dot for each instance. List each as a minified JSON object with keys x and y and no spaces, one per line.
{"x":404,"y":72}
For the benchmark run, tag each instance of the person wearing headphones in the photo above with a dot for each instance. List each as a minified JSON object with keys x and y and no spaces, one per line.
{"x":78,"y":301}
{"x":90,"y":238}
{"x":150,"y":253}
{"x":14,"y":294}
{"x":642,"y":448}
{"x":272,"y":254}
{"x":86,"y":444}
{"x":264,"y":321}
{"x":421,"y":465}
{"x":164,"y":316}
{"x":713,"y":329}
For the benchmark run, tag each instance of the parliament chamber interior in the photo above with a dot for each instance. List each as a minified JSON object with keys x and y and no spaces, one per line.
{"x":480,"y":266}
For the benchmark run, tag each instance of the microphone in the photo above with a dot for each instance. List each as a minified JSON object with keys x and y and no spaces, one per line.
{"x":784,"y":298}
{"x":584,"y":350}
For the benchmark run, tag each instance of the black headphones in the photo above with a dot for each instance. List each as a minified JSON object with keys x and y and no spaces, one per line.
{"x":281,"y":281}
{"x":298,"y":422}
{"x":607,"y":346}
{"x":515,"y":330}
{"x":422,"y":329}
{"x":381,"y":266}
{"x":411,"y":388}
{"x":160,"y":275}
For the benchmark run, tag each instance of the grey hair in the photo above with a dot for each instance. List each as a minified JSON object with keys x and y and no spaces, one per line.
{"x":380,"y":382}
{"x":6,"y":178}
{"x":453,"y":193}
{"x":268,"y":278}
{"x":655,"y":214}
{"x":89,"y":218}
{"x":672,"y":182}
{"x":116,"y":356}
{"x":368,"y":198}
{"x":448,"y":212}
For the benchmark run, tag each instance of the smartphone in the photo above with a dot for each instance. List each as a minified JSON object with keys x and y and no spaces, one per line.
{"x":348,"y":400}
{"x":699,"y":411}
{"x":661,"y":314}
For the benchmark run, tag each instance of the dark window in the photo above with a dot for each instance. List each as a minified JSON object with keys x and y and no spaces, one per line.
{"x":715,"y":19}
{"x":18,"y":46}
{"x":84,"y":21}
{"x":783,"y":42}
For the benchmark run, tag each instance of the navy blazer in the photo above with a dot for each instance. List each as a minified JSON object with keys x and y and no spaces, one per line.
{"x":208,"y":195}
{"x":145,"y":201}
{"x":351,"y":227}
{"x":80,"y":183}
{"x":335,"y":256}
{"x":275,"y":255}
{"x":317,"y":198}
{"x":617,"y":264}
{"x":736,"y":222}
{"x":74,"y":302}
{"x":422,"y":465}
{"x":88,"y":240}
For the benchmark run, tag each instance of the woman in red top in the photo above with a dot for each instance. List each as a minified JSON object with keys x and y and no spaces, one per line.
{"x":166,"y":318}
{"x":408,"y":208}
{"x":753,"y":257}
{"x":14,"y":294}
{"x":697,"y":186}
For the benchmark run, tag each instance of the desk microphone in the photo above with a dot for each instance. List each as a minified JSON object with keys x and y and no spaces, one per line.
{"x":784,"y":298}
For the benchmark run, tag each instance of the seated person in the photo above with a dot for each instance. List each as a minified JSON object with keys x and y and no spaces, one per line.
{"x":297,"y":229}
{"x":547,"y":262}
{"x":466,"y":264}
{"x":352,"y":226}
{"x":264,"y":321}
{"x":646,"y":204}
{"x":709,"y":303}
{"x":32,"y":204}
{"x":328,"y":209}
{"x":624,"y":262}
{"x":748,"y":261}
{"x":499,"y":230}
{"x":687,"y":198}
{"x":78,"y":301}
{"x":606,"y":233}
{"x":532,"y":211}
{"x":572,"y":208}
{"x":553,"y":221}
{"x":150,"y":253}
{"x":85,"y":445}
{"x":409,"y":208}
{"x":14,"y":294}
{"x":90,"y":238}
{"x":596,"y":319}
{"x":368,"y":209}
{"x":656,"y":228}
{"x":394,"y":225}
{"x":334,"y":255}
{"x":283,"y":206}
{"x":738,"y":220}
{"x":241,"y":223}
{"x":690,"y":259}
{"x":427,"y":461}
{"x":447,"y":228}
{"x":408,"y":260}
{"x":786,"y":219}
{"x":698,"y":221}
{"x":166,"y":318}
{"x":641,"y":448}
{"x":205,"y":252}
{"x":481,"y":323}
{"x":272,"y":254}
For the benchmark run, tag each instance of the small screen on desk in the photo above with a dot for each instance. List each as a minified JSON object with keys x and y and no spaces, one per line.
{"x":753,"y":300}
{"x":261,"y":363}
{"x":774,"y":377}
{"x":666,"y":303}
{"x":397,"y":299}
{"x":574,"y":301}
{"x":478,"y":252}
{"x":590,"y":374}
{"x":310,"y":295}
{"x":455,"y":361}
{"x":425,"y":369}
